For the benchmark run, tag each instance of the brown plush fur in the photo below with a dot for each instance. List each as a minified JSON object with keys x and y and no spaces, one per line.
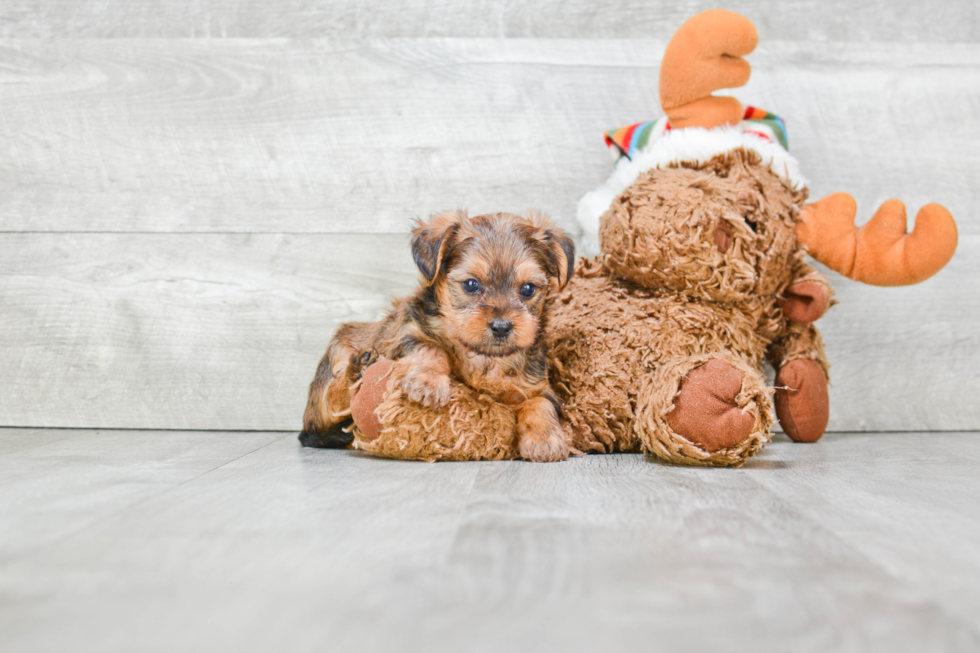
{"x":664,"y":299}
{"x":478,"y":317}
{"x":472,"y":426}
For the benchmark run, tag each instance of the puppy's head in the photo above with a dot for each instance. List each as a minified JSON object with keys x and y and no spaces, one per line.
{"x":492,"y":275}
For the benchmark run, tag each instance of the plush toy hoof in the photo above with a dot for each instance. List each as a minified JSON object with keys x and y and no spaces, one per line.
{"x":805,"y":302}
{"x":368,"y":397}
{"x":706,"y":411}
{"x":802,"y":404}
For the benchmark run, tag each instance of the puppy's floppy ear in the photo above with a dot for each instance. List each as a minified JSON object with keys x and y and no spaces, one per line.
{"x":559,"y":247}
{"x":432,"y":240}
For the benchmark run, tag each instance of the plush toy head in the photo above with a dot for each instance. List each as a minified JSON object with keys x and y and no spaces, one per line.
{"x":706,"y":236}
{"x":705,"y":55}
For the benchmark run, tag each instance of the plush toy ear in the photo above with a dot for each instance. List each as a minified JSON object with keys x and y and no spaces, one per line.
{"x":559,"y":247}
{"x":432,"y":240}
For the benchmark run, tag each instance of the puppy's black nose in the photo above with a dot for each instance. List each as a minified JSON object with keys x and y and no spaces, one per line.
{"x":501,"y":328}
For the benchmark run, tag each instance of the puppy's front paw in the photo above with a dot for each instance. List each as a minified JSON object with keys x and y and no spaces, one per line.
{"x":547,"y":446}
{"x":426,"y":388}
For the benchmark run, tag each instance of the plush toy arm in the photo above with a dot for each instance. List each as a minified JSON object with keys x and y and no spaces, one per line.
{"x":802,"y":402}
{"x":471,"y":427}
{"x":808,"y":295}
{"x":798,"y":342}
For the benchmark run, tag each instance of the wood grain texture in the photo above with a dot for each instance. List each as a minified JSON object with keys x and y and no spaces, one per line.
{"x":245,"y":542}
{"x":181,"y":217}
{"x":829,"y":20}
{"x":180,"y":331}
{"x":109,"y":471}
{"x":341,"y":136}
{"x":907,"y":356}
{"x":215,"y":331}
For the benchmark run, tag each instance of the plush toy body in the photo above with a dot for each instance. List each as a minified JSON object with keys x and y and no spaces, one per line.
{"x":659,"y":346}
{"x":702,"y":231}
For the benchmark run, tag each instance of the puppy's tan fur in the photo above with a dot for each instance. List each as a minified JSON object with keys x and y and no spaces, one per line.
{"x":473,"y":318}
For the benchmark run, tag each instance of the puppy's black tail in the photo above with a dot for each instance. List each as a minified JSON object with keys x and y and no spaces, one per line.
{"x":332,"y":438}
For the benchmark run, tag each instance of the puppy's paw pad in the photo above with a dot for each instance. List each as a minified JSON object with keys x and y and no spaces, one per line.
{"x":430,"y":390}
{"x":549,"y":447}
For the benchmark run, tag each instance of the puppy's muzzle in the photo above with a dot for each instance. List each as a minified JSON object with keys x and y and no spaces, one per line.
{"x":501,"y":328}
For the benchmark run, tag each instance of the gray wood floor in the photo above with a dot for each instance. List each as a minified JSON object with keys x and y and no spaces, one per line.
{"x":194,"y":541}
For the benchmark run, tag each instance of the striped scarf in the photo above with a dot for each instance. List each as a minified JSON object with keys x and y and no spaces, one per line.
{"x":627,"y":141}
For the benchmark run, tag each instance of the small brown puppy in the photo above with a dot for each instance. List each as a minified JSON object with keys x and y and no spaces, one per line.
{"x":487,"y":284}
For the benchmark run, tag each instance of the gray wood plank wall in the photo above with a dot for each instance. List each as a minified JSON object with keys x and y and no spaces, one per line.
{"x":817,"y":20}
{"x":184,"y":221}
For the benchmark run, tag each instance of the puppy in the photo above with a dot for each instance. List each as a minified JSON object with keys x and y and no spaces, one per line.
{"x":487,"y":283}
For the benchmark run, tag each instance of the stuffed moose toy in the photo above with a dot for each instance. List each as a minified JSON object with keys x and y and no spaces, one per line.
{"x":658,"y":344}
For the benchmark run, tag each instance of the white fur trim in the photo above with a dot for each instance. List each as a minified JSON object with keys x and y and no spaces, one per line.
{"x":692,"y":144}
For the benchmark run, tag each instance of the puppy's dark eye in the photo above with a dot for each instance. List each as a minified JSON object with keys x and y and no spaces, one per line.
{"x":527,"y":290}
{"x":471,"y":286}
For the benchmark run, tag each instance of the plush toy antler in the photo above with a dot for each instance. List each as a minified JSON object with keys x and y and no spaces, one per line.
{"x":880,"y":253}
{"x":705,"y":55}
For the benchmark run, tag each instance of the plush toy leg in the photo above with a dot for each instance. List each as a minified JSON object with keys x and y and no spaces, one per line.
{"x":801,"y":398}
{"x":704,"y":410}
{"x":802,"y":403}
{"x":471,"y":427}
